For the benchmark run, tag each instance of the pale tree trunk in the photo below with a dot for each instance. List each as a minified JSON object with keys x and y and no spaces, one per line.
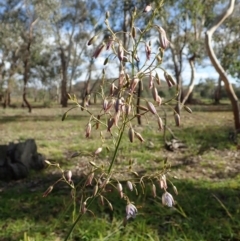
{"x":229,"y":89}
{"x":191,"y":84}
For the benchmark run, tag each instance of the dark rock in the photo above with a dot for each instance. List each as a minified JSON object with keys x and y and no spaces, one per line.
{"x":17,"y":159}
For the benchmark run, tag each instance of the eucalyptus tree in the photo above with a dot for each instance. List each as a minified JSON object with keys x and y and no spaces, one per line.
{"x":218,"y":21}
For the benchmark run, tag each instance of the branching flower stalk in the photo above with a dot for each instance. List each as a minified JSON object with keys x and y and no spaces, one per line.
{"x":118,"y":101}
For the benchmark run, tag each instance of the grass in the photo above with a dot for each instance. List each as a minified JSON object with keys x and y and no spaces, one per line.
{"x":208,"y":205}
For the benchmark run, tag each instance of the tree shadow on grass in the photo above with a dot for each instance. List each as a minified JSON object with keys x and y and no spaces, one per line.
{"x":203,"y":211}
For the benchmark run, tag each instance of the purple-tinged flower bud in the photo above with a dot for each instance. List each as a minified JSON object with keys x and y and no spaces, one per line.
{"x":167,"y":199}
{"x":121,"y":78}
{"x":154,"y":190}
{"x":98,"y":50}
{"x":118,"y":105}
{"x":166,"y":76}
{"x":151,"y":107}
{"x":131,"y":211}
{"x":88,"y":130}
{"x":92,"y":40}
{"x":69,"y":176}
{"x":128,"y":109}
{"x":105,"y":104}
{"x":120,"y":52}
{"x":134,"y":84}
{"x":99,"y":150}
{"x":158,"y":80}
{"x":119,"y":187}
{"x":150,"y":81}
{"x":110,"y":43}
{"x":160,"y":123}
{"x":163,"y":182}
{"x":147,"y":9}
{"x":154,"y":93}
{"x":112,"y":89}
{"x":130,"y":185}
{"x":45,"y":194}
{"x":177,"y":119}
{"x":164,"y":42}
{"x":159,"y":100}
{"x":116,"y":118}
{"x":148,"y":50}
{"x":131,"y":134}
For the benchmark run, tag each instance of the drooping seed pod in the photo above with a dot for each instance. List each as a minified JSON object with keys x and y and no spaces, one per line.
{"x":97,"y":122}
{"x":159,"y":59}
{"x":102,"y":200}
{"x":148,"y":50}
{"x":151,"y":107}
{"x":130,"y":185}
{"x":84,"y":208}
{"x":110,"y":205}
{"x":133,"y":32}
{"x":98,"y":50}
{"x":121,"y":78}
{"x":158,"y":80}
{"x":88,"y":130}
{"x":95,"y":190}
{"x":160,"y":123}
{"x":92,"y":40}
{"x":69,"y":176}
{"x":150,"y":85}
{"x":143,"y":108}
{"x":163,"y":182}
{"x":166,"y":76}
{"x":109,"y":43}
{"x":175,"y":190}
{"x":154,"y":190}
{"x":111,"y":121}
{"x":45,"y":194}
{"x":134,"y":84}
{"x":159,"y":100}
{"x":112,"y":89}
{"x":120,"y":52}
{"x":139,"y":136}
{"x":164,"y":42}
{"x":89,"y":179}
{"x":172,"y":81}
{"x":116,"y":118}
{"x":99,"y":150}
{"x":128,"y":109}
{"x":109,"y":104}
{"x":154,"y":93}
{"x":119,"y":187}
{"x":177,"y":119}
{"x":105,"y":104}
{"x":187,"y":109}
{"x":131,"y":134}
